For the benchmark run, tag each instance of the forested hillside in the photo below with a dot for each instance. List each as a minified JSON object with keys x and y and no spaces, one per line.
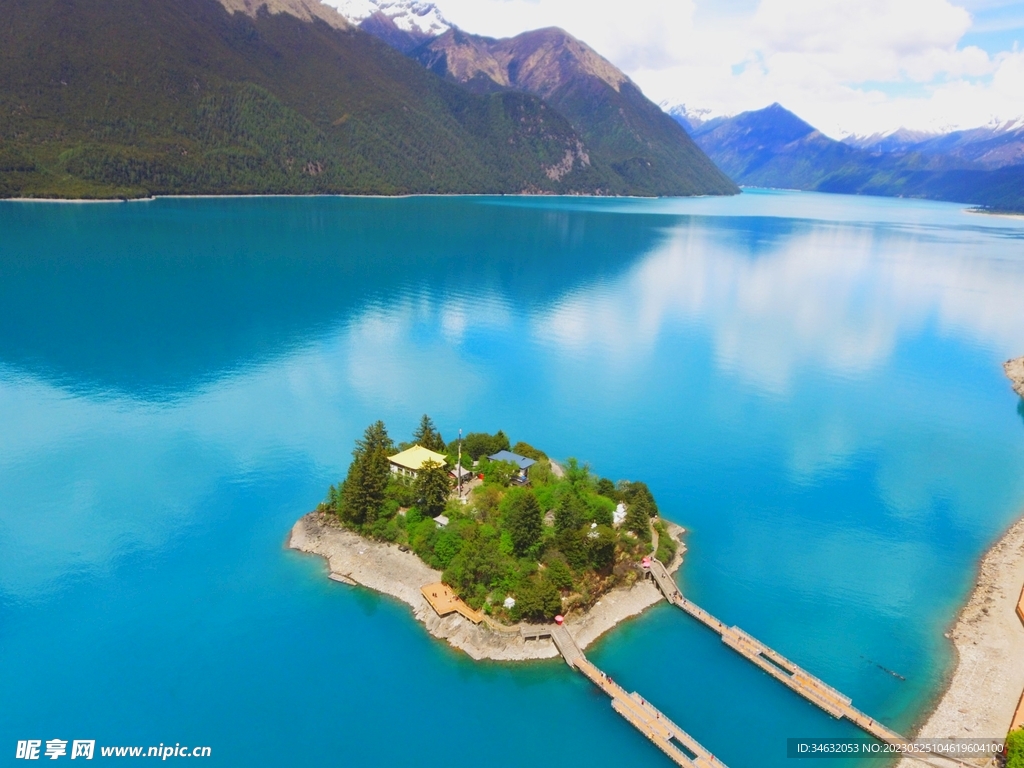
{"x":139,"y":97}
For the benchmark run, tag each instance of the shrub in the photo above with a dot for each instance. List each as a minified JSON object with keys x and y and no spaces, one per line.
{"x":667,"y":546}
{"x":1015,"y":749}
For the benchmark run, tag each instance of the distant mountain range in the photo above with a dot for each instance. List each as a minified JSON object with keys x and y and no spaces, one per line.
{"x":137,"y":97}
{"x":993,"y":146}
{"x":772,"y":147}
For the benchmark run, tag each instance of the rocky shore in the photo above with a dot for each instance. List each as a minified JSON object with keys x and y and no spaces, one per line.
{"x":351,"y":559}
{"x":1015,"y":372}
{"x":989,"y":641}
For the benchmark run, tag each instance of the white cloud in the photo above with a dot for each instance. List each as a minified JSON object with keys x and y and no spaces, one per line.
{"x":844,"y":66}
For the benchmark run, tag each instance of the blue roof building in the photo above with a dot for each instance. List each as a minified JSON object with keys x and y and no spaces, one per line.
{"x":521,"y":461}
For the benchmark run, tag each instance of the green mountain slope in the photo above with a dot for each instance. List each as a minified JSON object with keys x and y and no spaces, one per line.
{"x":137,"y":97}
{"x":772,"y":147}
{"x":647,"y":150}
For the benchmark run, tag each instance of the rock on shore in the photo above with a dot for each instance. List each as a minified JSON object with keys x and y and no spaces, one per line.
{"x":385,"y":568}
{"x":1015,"y":371}
{"x":989,"y":642}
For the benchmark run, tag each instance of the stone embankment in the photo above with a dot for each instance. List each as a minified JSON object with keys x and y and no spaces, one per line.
{"x":353,"y":560}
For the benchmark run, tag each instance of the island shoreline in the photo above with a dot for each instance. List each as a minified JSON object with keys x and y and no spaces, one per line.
{"x":384,"y":568}
{"x":982,"y":690}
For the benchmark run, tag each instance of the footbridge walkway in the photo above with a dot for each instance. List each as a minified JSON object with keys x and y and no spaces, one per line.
{"x":785,"y":671}
{"x":677,"y":744}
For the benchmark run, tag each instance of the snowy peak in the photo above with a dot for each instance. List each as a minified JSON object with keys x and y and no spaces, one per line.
{"x":690,"y":118}
{"x":896,"y":140}
{"x":420,"y":19}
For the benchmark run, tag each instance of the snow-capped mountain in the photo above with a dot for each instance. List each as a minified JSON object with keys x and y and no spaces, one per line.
{"x":690,"y":118}
{"x":998,"y":144}
{"x":896,"y":140}
{"x":403,"y":24}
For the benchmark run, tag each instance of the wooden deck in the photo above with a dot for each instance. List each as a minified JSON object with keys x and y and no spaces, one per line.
{"x":443,"y":600}
{"x":677,"y":744}
{"x":782,"y":669}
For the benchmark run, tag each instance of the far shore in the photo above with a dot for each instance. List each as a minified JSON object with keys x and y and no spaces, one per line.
{"x":352,"y":559}
{"x":1004,"y":214}
{"x":403,"y":196}
{"x":985,"y":687}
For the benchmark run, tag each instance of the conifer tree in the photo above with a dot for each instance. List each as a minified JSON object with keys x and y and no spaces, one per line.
{"x":362,"y":493}
{"x":433,"y":485}
{"x":522,"y":519}
{"x":638,"y":517}
{"x":426,"y":434}
{"x":569,"y":511}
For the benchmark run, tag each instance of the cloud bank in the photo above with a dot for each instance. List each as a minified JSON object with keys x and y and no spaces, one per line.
{"x":846,"y":67}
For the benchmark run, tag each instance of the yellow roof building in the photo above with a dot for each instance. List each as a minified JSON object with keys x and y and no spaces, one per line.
{"x":409,"y":461}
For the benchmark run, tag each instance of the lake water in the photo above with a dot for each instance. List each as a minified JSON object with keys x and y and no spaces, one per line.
{"x":811,"y":384}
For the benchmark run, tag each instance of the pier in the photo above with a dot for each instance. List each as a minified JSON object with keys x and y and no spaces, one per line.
{"x":789,"y":674}
{"x":677,"y":744}
{"x":775,"y":664}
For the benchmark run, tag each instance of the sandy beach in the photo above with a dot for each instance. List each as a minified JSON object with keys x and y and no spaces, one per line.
{"x":989,"y":641}
{"x":353,"y":560}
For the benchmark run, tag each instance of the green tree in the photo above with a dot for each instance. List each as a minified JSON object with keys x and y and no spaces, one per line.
{"x":537,"y":599}
{"x":602,"y":548}
{"x":631,"y":491}
{"x":499,"y":472}
{"x":426,"y":434}
{"x":606,"y":488}
{"x":540,"y":473}
{"x":573,"y":544}
{"x":522,"y":517}
{"x":477,"y":444}
{"x":527,"y":450}
{"x":577,"y":474}
{"x":501,"y":442}
{"x":446,"y":547}
{"x":570,"y":510}
{"x":638,"y":517}
{"x":558,"y":573}
{"x":433,"y":485}
{"x":364,"y":489}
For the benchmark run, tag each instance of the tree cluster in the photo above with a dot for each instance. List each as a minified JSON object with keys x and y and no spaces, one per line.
{"x":550,"y":545}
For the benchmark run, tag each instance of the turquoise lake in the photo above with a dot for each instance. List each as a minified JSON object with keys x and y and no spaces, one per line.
{"x":811,"y":384}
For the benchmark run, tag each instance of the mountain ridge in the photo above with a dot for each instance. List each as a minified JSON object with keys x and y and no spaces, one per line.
{"x":130,"y":98}
{"x":772,"y":147}
{"x":611,"y":114}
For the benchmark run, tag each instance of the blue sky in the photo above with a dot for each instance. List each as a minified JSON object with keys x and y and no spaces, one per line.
{"x":846,"y":66}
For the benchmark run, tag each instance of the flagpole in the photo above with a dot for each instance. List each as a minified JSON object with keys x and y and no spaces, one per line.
{"x":460,"y":465}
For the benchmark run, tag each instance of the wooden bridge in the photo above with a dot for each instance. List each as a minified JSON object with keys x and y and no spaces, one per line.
{"x":785,"y":671}
{"x":677,"y":744}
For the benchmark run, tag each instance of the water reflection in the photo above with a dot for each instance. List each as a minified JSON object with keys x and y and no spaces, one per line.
{"x":814,"y":388}
{"x":835,"y":297}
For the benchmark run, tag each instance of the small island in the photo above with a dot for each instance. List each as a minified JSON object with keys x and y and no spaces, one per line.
{"x":482,"y":538}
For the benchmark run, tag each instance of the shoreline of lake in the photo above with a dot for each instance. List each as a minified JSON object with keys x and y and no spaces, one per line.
{"x":982,"y":693}
{"x":354,"y":560}
{"x":1014,"y":370}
